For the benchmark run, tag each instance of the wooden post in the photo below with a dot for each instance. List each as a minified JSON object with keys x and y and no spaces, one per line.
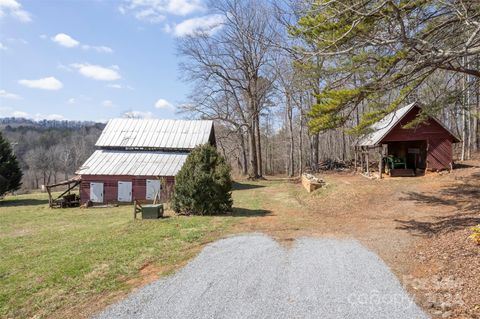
{"x":380,"y":153}
{"x":49,"y":197}
{"x":355,"y":160}
{"x":361,"y":159}
{"x":367,"y":160}
{"x":134,"y":209}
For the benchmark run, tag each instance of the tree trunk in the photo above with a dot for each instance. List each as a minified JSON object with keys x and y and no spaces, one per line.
{"x":475,"y":128}
{"x":243,"y":154}
{"x":259,"y":145}
{"x":314,"y":151}
{"x":253,"y":169}
{"x":291,"y":158}
{"x":300,"y":146}
{"x":464,"y":106}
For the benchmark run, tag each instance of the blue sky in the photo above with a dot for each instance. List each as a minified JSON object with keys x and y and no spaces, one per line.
{"x":93,"y":59}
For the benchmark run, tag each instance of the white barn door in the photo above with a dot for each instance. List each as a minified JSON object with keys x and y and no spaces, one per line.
{"x":153,"y":188}
{"x":124,"y":191}
{"x":96,"y":192}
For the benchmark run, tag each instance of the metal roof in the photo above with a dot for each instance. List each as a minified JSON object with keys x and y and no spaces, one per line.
{"x":133,"y":163}
{"x":381,"y":128}
{"x":155,"y":133}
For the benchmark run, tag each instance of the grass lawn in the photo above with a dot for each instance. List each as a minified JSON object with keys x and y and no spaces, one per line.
{"x":69,"y":262}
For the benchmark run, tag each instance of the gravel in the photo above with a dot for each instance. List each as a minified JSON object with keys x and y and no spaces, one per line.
{"x":252,"y":276}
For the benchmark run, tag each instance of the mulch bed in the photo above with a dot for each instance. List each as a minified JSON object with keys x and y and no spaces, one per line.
{"x":446,"y":278}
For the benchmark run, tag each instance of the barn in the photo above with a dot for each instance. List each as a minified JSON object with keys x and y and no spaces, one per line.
{"x":135,"y":157}
{"x":408,"y":151}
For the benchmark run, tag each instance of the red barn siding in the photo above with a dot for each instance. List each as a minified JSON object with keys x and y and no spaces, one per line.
{"x":439,"y":140}
{"x":110,"y":186}
{"x":439,"y":154}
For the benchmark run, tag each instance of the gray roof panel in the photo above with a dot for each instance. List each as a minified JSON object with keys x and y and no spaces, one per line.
{"x":133,"y":163}
{"x":155,"y":133}
{"x":381,"y":128}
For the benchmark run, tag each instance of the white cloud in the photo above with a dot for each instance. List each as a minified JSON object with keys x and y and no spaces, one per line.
{"x":100,"y":48}
{"x":10,"y":112}
{"x":2,"y":47}
{"x":97,"y":72}
{"x":22,"y":15}
{"x":17,"y":40}
{"x":71,"y":100}
{"x":149,"y":15}
{"x":64,"y":67}
{"x":154,"y":11}
{"x":107,"y":103}
{"x":119,"y":86}
{"x":8,"y":95}
{"x":202,"y":25}
{"x":138,"y":114}
{"x":184,"y":7}
{"x":163,"y":104}
{"x":65,"y":40}
{"x":69,"y":42}
{"x":48,"y":83}
{"x":14,"y":8}
{"x":20,"y":114}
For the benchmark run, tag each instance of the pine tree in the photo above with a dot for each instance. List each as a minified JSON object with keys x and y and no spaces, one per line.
{"x":379,"y":53}
{"x":203,"y":185}
{"x":10,"y":173}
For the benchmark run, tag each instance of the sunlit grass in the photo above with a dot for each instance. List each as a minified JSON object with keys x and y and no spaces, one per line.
{"x":52,"y":259}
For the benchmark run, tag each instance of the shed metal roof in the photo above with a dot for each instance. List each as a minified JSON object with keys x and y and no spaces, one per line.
{"x":155,"y":133}
{"x":381,"y":128}
{"x":133,"y":163}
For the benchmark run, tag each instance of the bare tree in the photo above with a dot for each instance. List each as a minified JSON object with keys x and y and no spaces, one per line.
{"x":229,"y":65}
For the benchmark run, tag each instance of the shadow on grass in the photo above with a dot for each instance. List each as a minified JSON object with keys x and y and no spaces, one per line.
{"x":237,"y":212}
{"x":22,"y":202}
{"x":244,"y":186}
{"x":464,"y":197}
{"x":244,"y":212}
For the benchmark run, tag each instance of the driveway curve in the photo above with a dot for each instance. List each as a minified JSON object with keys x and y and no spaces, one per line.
{"x":252,"y":276}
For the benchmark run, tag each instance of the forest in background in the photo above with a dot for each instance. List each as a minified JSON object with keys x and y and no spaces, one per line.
{"x":294,"y":83}
{"x":49,"y":151}
{"x":291,"y":85}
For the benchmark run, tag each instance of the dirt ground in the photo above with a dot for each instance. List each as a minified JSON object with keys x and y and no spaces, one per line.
{"x":419,"y":226}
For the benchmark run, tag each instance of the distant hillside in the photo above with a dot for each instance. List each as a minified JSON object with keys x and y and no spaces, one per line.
{"x":49,"y":150}
{"x":15,"y":122}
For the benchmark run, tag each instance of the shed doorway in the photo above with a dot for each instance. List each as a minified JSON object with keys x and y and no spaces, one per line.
{"x":407,"y":158}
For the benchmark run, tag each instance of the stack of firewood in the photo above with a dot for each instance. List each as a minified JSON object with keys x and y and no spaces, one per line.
{"x":311,"y":182}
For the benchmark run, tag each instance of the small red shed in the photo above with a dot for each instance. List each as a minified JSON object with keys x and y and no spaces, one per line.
{"x":428,"y":146}
{"x":136,"y":155}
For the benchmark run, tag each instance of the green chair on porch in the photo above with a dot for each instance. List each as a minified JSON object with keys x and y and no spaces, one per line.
{"x":393,"y":162}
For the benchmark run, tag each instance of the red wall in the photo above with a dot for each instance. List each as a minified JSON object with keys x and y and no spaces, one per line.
{"x":110,"y":186}
{"x":439,"y":140}
{"x":439,"y":154}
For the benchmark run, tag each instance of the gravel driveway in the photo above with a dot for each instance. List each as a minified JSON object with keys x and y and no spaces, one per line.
{"x":252,"y":276}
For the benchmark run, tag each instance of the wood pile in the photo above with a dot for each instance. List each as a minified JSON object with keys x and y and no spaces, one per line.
{"x":311,"y":183}
{"x":334,"y":165}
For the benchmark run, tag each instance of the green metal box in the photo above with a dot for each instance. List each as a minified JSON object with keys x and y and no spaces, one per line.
{"x":152,"y":211}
